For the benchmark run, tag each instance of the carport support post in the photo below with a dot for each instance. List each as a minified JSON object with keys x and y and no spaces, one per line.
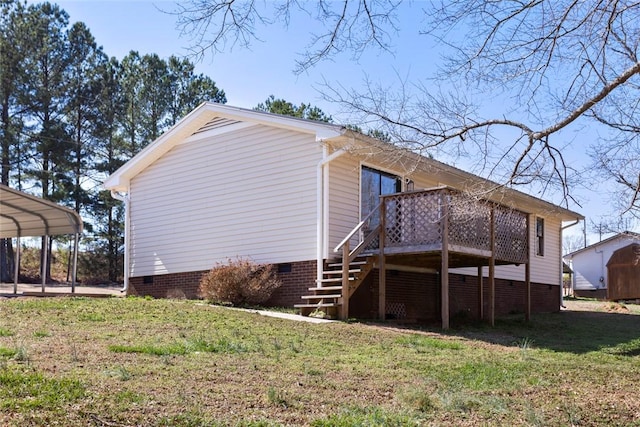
{"x":45,"y":260}
{"x":16,"y":267}
{"x":74,"y":273}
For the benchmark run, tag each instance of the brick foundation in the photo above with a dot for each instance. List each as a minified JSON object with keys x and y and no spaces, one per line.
{"x":416,"y":297}
{"x":179,"y":285}
{"x":295,"y":283}
{"x":411,"y":296}
{"x":296,"y":278}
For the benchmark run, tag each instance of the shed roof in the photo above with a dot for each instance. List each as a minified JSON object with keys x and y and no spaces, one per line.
{"x":627,"y":235}
{"x":22,"y":215}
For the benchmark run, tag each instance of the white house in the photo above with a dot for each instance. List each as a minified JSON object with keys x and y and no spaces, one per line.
{"x":589,"y":264}
{"x":227,"y":182}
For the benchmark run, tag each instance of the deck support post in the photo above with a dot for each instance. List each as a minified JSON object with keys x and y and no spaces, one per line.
{"x":382,"y":270}
{"x":344,"y":308}
{"x":444,"y":268}
{"x":527,"y":293}
{"x":527,"y":276}
{"x":480,"y":295}
{"x":492,"y":263}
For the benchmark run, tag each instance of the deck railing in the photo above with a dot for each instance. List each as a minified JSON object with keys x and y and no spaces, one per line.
{"x":415,"y":222}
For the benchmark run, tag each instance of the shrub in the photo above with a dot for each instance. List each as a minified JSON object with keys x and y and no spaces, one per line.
{"x":239,"y":282}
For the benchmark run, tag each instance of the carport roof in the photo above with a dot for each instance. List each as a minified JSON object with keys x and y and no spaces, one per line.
{"x":23,"y":215}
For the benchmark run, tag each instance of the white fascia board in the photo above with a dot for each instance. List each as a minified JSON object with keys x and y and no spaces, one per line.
{"x":277,"y":120}
{"x":119,"y":180}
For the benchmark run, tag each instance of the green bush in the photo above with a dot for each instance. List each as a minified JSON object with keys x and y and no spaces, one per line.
{"x":239,"y":282}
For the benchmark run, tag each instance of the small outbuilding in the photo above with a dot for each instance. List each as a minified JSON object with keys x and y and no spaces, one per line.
{"x":623,"y":270}
{"x":590,"y":278}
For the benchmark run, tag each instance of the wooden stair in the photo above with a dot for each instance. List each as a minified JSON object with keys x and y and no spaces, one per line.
{"x":327,"y":296}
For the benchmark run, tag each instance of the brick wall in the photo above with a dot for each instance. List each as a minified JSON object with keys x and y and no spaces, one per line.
{"x":295,"y":283}
{"x":179,"y":285}
{"x":416,"y":297}
{"x":412,"y":296}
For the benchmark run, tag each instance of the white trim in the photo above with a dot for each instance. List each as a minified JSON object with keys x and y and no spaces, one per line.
{"x":322,"y":200}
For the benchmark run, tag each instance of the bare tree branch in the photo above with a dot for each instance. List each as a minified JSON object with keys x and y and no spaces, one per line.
{"x":348,"y":25}
{"x":557,"y":65}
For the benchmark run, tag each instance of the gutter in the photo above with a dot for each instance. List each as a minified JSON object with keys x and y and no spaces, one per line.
{"x":125,"y":199}
{"x":322,"y":210}
{"x":576,"y":222}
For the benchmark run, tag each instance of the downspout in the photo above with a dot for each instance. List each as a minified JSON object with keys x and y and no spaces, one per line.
{"x":127,"y":219}
{"x":562,"y":262}
{"x":322,"y":211}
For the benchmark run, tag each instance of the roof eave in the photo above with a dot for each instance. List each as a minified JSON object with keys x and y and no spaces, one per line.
{"x":495,"y":192}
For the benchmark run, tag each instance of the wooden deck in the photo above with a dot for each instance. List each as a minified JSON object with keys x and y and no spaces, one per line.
{"x":423,"y":222}
{"x":439,"y":228}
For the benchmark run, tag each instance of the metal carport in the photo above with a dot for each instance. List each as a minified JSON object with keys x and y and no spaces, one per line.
{"x":24,"y":215}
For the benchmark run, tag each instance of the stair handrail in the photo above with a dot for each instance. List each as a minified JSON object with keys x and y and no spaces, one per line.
{"x":356,"y":229}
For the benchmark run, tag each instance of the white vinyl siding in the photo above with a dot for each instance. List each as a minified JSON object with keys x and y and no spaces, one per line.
{"x":344,"y":199}
{"x":589,"y":265}
{"x":248,"y":193}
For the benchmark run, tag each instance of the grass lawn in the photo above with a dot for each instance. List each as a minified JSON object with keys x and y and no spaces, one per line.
{"x":138,"y":362}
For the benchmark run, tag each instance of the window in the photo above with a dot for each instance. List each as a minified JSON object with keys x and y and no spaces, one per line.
{"x":540,"y":236}
{"x":373,"y":184}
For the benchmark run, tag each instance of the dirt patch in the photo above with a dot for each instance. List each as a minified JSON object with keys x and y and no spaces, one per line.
{"x":602,"y":306}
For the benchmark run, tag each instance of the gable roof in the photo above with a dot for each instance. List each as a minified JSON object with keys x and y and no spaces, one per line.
{"x":24,"y":215}
{"x":209,"y":116}
{"x":224,"y":118}
{"x":632,"y":236}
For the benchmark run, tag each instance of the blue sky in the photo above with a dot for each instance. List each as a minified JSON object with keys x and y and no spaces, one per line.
{"x":248,"y":77}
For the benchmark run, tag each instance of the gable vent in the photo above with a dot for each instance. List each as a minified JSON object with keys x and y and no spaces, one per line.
{"x":216,"y":123}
